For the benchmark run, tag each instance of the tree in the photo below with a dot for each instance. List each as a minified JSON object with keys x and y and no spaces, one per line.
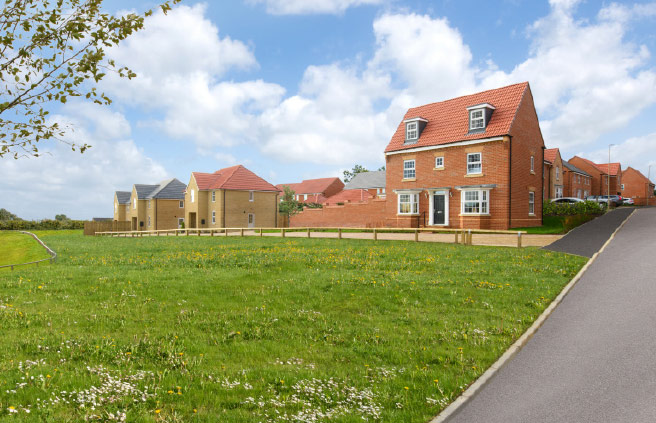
{"x":61,"y":217}
{"x":350,"y":174}
{"x":289,"y":206}
{"x":50,"y":51}
{"x":6,"y":215}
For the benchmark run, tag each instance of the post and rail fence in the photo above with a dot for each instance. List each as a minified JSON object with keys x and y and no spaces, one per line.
{"x":461,"y":236}
{"x":51,"y":259}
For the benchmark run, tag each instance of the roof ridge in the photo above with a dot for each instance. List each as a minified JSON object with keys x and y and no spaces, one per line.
{"x":469,"y":95}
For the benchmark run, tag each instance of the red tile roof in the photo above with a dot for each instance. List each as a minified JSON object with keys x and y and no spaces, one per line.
{"x":550,"y":154}
{"x":349,"y":196}
{"x":603,"y":168}
{"x":448,"y":121}
{"x":311,"y":186}
{"x":236,"y":178}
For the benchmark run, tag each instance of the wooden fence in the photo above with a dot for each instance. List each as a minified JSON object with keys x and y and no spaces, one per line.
{"x":52,"y":259}
{"x":90,"y":228}
{"x":461,"y":236}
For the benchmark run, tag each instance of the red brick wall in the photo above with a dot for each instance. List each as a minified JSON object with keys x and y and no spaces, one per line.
{"x":333,"y":188}
{"x":635,"y":186}
{"x":371,"y":214}
{"x":595,"y":183}
{"x":572,"y":185}
{"x":545,"y":181}
{"x":526,"y":142}
{"x":495,"y":171}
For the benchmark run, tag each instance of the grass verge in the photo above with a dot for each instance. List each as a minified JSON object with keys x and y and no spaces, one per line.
{"x":16,"y":248}
{"x":554,"y":225}
{"x":203,"y":329}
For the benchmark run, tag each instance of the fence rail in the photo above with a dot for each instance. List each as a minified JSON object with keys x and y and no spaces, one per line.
{"x":52,"y":259}
{"x":90,"y":228}
{"x":461,"y":236}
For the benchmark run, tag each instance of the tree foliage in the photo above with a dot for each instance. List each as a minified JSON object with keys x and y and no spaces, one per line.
{"x":51,"y":51}
{"x":6,"y":215}
{"x":289,"y":206}
{"x":350,"y":174}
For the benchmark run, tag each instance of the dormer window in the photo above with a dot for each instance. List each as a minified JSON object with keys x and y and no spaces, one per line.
{"x":479,"y":116}
{"x":413,"y":129}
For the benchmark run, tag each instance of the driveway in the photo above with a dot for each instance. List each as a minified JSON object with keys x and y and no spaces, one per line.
{"x":593,"y":359}
{"x":589,"y":238}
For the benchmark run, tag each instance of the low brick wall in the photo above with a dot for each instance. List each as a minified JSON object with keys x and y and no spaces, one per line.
{"x":370,"y":214}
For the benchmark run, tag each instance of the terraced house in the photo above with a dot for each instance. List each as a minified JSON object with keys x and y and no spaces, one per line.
{"x":470,"y":162}
{"x":600,"y":177}
{"x":156,"y":207}
{"x":233,"y":197}
{"x":314,"y":190}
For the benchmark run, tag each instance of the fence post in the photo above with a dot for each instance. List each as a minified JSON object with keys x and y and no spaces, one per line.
{"x":416,"y":235}
{"x":519,"y":240}
{"x":211,"y":232}
{"x":339,"y":233}
{"x":261,"y":230}
{"x":469,"y":238}
{"x":375,"y":235}
{"x":282,"y":232}
{"x":456,"y":237}
{"x":241,"y":232}
{"x":226,"y":231}
{"x":308,"y":232}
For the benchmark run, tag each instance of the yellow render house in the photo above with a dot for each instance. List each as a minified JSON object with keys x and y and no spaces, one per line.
{"x":157,"y":207}
{"x":121,"y":205}
{"x":233,"y":197}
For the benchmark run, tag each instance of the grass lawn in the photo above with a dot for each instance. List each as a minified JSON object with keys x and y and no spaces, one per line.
{"x":200,"y":329}
{"x":16,"y":248}
{"x":557,"y":224}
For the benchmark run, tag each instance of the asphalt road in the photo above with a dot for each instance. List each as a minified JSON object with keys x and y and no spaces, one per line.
{"x":587,"y":239}
{"x":594,"y":359}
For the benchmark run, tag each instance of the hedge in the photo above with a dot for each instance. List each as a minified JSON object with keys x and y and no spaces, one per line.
{"x":572,"y":209}
{"x":26,"y":225}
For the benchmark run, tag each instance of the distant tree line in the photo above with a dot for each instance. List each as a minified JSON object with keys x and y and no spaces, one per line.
{"x":11,"y":222}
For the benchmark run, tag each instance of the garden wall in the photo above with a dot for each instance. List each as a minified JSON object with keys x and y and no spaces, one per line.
{"x":369,"y":214}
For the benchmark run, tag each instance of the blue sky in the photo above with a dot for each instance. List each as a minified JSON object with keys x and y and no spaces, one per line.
{"x":297,"y":89}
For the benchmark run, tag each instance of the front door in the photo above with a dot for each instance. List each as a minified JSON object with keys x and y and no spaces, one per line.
{"x":134,"y":223}
{"x":439,"y":209}
{"x":192,"y":220}
{"x":251,"y":220}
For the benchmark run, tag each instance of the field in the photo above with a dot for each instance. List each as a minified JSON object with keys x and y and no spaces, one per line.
{"x":203,"y":329}
{"x":16,"y":248}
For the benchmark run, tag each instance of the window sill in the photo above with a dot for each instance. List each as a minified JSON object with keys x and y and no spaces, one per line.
{"x":407,"y":214}
{"x":409,"y":180}
{"x":531,"y":214}
{"x":532,"y":173}
{"x":474,"y":175}
{"x":473,"y":214}
{"x":438,"y":168}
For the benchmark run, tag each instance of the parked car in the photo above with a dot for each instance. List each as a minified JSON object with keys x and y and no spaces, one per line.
{"x":567,"y":200}
{"x":629,"y":202}
{"x":615,"y":200}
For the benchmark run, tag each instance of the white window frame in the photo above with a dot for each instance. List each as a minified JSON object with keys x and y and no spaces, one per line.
{"x":439,"y":162}
{"x":558,"y":173}
{"x":182,"y":204}
{"x":408,"y":171}
{"x":431,"y":195}
{"x":531,"y":203}
{"x":251,"y":196}
{"x":213,"y":217}
{"x":412,"y":131}
{"x":305,"y":197}
{"x":483,"y":201}
{"x":214,"y":196}
{"x":479,"y":162}
{"x":412,"y":201}
{"x":578,"y":193}
{"x":532,"y":164}
{"x":559,"y":192}
{"x":476,"y":122}
{"x":622,"y":185}
{"x":134,"y":204}
{"x":193,"y":196}
{"x":180,"y":220}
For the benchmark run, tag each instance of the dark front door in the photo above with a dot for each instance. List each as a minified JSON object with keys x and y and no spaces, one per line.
{"x":439,"y":212}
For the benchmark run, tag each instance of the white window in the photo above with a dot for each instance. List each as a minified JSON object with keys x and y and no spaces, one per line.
{"x":213,"y":196}
{"x":182,"y":204}
{"x":134,"y":204}
{"x":192,"y":196}
{"x":304,"y":197}
{"x":532,"y":164}
{"x":251,"y":196}
{"x":559,"y":192}
{"x":408,"y":203}
{"x":213,"y":217}
{"x":476,"y":119}
{"x":531,"y":203}
{"x":411,"y":131}
{"x":408,"y":169}
{"x":115,"y":207}
{"x":585,"y":194}
{"x":578,"y":194}
{"x":148,"y":203}
{"x":557,"y":173}
{"x":439,"y":162}
{"x":622,"y":187}
{"x":474,"y":163}
{"x":475,"y":202}
{"x":149,"y":221}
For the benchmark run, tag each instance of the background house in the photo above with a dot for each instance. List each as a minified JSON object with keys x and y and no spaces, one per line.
{"x":373,"y":182}
{"x":121,"y":205}
{"x":314,"y":190}
{"x":599,"y":175}
{"x":553,"y":174}
{"x":165,"y":206}
{"x":637,"y":186}
{"x":138,"y":206}
{"x":577,"y":182}
{"x":233,"y":197}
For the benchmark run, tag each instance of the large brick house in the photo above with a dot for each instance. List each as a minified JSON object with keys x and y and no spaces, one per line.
{"x":314,"y":190}
{"x":233,"y":197}
{"x":470,"y":162}
{"x":637,"y":186}
{"x":577,"y":182}
{"x":600,"y":177}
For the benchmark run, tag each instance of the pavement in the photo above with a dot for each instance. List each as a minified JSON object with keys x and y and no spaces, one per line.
{"x":593,"y":358}
{"x":587,"y":239}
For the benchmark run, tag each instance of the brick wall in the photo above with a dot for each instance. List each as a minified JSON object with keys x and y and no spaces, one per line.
{"x":575,"y":182}
{"x":164,"y":214}
{"x":370,"y":214}
{"x":264,"y":207}
{"x":637,"y":186}
{"x":595,"y":182}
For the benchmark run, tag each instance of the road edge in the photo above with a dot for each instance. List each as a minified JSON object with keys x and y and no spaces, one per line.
{"x":475,"y":387}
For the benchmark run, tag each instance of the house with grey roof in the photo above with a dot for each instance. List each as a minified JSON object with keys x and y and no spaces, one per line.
{"x":373,"y":182}
{"x":157,"y":207}
{"x":121,"y":205}
{"x":577,"y":182}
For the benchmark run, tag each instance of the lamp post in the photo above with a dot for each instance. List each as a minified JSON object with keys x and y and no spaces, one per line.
{"x":608,"y":176}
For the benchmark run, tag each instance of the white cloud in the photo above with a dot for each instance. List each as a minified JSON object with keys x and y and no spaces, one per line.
{"x":302,"y":7}
{"x":78,"y":185}
{"x":637,"y":152}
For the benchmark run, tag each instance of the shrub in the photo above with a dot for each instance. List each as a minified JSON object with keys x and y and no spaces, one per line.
{"x":573,"y":209}
{"x":26,"y":225}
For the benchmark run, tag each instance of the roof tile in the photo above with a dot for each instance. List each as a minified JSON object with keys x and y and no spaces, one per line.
{"x":236,"y":178}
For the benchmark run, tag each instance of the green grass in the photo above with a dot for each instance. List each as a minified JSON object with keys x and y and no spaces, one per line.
{"x":555,"y":225}
{"x":200,"y":329}
{"x":16,"y":248}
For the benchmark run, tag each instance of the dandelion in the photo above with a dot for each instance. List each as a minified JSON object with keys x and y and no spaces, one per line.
{"x":406,"y":388}
{"x":158,"y":411}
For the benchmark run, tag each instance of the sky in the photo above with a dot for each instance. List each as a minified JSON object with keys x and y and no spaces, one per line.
{"x":298,"y":89}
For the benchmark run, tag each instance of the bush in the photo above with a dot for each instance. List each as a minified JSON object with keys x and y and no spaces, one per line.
{"x":573,"y":209}
{"x":27,"y":225}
